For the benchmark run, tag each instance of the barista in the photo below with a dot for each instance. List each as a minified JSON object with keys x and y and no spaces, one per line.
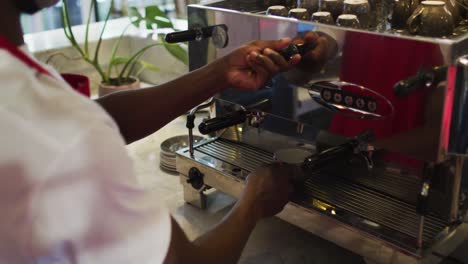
{"x":67,"y":194}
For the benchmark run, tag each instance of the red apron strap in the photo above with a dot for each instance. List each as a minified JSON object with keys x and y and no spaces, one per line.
{"x":15,"y":51}
{"x":77,"y":82}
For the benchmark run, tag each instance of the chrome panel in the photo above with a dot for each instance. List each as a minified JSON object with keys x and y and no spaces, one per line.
{"x":458,"y":141}
{"x":375,"y":60}
{"x":376,"y":208}
{"x":356,"y":202}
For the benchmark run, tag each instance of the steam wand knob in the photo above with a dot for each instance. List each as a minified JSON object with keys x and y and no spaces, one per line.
{"x":294,"y":49}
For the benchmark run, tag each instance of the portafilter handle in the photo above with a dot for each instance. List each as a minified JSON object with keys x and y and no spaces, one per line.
{"x":330,"y":156}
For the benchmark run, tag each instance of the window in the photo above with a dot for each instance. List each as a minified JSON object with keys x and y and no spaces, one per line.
{"x":51,"y":18}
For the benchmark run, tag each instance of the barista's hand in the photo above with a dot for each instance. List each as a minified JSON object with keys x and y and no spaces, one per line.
{"x":326,"y":48}
{"x":268,"y":189}
{"x":250,"y":66}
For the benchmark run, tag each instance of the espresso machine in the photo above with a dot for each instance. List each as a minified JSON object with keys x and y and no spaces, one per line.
{"x":383,"y":117}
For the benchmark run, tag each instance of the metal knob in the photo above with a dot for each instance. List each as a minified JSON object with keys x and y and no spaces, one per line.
{"x":195,"y":178}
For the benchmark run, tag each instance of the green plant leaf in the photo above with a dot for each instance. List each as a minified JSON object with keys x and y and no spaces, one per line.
{"x":118,"y":61}
{"x":133,"y":65}
{"x":177,"y":51}
{"x":145,"y":66}
{"x":135,"y":16}
{"x":148,"y":66}
{"x":115,"y":48}
{"x":154,"y":16}
{"x":86,"y":44}
{"x":135,"y":57}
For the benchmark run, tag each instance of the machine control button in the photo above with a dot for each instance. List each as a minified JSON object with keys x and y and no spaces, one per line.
{"x":372,"y":105}
{"x":195,"y":178}
{"x":327,"y":95}
{"x":349,"y":100}
{"x":360,"y":103}
{"x":337,"y":97}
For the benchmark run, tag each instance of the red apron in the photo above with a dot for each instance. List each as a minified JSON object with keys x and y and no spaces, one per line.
{"x":78,"y":82}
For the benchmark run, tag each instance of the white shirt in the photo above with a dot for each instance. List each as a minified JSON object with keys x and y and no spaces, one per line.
{"x":67,"y":191}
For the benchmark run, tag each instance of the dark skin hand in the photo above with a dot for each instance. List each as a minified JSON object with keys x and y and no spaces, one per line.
{"x":326,"y":49}
{"x":138,"y":113}
{"x":266,"y":193}
{"x":261,"y":63}
{"x":141,"y":112}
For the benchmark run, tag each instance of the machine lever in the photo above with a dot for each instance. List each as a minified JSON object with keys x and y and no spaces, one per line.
{"x":221,"y":122}
{"x":424,"y":78}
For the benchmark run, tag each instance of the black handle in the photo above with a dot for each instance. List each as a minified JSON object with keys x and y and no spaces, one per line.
{"x":330,"y":156}
{"x":182,"y":36}
{"x":407,"y":86}
{"x":294,"y":49}
{"x":221,"y":122}
{"x":327,"y":158}
{"x":196,"y":33}
{"x":424,"y":78}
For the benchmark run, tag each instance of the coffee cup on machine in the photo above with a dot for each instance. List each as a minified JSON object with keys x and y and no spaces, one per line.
{"x":432,"y":19}
{"x":348,"y":20}
{"x":322,"y":17}
{"x":299,"y":13}
{"x":311,"y":5}
{"x":401,"y":11}
{"x":360,"y":8}
{"x":277,"y":10}
{"x":335,"y":7}
{"x":268,"y":2}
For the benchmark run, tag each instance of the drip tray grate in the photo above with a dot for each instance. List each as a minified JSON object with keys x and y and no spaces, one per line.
{"x":377,"y":199}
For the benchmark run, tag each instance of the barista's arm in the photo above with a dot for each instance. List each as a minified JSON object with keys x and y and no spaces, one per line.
{"x":139,"y":113}
{"x":266,"y":193}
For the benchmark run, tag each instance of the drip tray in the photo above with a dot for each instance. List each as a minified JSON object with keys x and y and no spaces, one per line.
{"x":382,"y":205}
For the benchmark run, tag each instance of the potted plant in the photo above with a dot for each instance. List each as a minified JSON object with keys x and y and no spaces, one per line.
{"x":122,"y":72}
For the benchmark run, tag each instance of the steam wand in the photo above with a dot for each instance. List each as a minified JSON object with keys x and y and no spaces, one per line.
{"x":423,"y":201}
{"x":191,"y":123}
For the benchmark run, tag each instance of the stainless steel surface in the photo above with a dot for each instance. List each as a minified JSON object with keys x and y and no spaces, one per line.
{"x":458,"y":141}
{"x":372,"y":60}
{"x":173,"y":144}
{"x":383,"y":216}
{"x":170,"y":146}
{"x":375,"y":204}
